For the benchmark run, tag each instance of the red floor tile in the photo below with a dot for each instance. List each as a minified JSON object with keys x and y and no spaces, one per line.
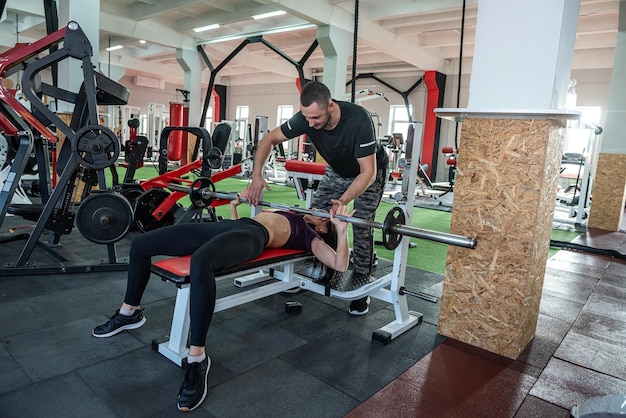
{"x":593,"y":354}
{"x":567,"y":384}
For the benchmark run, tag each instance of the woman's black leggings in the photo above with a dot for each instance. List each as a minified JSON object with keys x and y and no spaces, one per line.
{"x":213,"y":246}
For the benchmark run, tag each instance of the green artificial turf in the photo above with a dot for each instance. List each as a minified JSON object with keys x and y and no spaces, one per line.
{"x":426,"y":255}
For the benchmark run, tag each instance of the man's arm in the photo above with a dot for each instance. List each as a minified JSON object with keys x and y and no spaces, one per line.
{"x":366,"y":177}
{"x":262,"y":153}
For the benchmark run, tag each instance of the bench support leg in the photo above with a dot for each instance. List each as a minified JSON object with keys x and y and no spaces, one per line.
{"x":176,"y":348}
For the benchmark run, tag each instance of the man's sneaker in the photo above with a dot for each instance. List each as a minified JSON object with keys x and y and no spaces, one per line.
{"x":360,"y":306}
{"x":194,"y":387}
{"x":119,"y":323}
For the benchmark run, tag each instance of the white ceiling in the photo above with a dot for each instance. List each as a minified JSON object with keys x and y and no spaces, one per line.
{"x":396,"y":37}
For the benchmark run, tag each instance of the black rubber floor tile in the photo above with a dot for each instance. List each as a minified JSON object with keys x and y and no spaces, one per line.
{"x":137,"y":384}
{"x":63,"y":306}
{"x":13,"y":377}
{"x":67,"y":347}
{"x":19,"y":317}
{"x":358,"y":367}
{"x":277,"y":389}
{"x":415,"y":343}
{"x":28,"y":286}
{"x":62,"y":396}
{"x":245,"y":342}
{"x":315,"y":320}
{"x":158,"y":321}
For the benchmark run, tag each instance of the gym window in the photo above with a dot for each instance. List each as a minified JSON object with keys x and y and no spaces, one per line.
{"x":241,"y":118}
{"x":208,"y":122}
{"x":285,"y":112}
{"x":399,"y":119}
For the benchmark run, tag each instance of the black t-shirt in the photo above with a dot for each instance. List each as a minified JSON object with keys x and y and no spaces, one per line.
{"x":352,"y":138}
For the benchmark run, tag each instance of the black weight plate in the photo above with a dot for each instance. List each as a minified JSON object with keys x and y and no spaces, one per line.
{"x":104,"y":217}
{"x":392,"y":239}
{"x":96,"y":147}
{"x":146,"y":204}
{"x":195,"y":191}
{"x":131,"y":192}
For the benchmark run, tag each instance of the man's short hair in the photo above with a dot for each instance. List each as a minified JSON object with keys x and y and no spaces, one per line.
{"x":315,"y":92}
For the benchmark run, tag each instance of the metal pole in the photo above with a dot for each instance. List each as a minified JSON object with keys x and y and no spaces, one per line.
{"x":403,"y":230}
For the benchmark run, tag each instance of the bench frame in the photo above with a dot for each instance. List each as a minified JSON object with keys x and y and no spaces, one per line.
{"x":281,"y":268}
{"x":281,"y":275}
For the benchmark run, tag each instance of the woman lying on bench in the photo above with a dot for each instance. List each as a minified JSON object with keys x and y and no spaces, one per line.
{"x":215,"y":246}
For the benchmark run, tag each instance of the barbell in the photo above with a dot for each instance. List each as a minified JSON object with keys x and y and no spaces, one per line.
{"x":202,"y":193}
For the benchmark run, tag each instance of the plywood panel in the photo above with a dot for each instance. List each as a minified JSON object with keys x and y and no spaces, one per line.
{"x":504,"y":196}
{"x":609,"y":193}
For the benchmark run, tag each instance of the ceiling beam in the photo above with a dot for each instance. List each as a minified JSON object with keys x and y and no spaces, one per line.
{"x":369,"y":32}
{"x":256,"y":60}
{"x":150,"y":31}
{"x":147,"y":11}
{"x":379,"y":10}
{"x":223,"y":17}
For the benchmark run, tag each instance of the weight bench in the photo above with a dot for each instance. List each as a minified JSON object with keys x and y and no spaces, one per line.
{"x":272,"y":263}
{"x":280,"y":264}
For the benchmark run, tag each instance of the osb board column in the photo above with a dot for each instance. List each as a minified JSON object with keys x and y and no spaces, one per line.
{"x":609,"y":193}
{"x":504,"y":196}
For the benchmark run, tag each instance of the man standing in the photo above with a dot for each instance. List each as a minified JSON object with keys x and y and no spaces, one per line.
{"x":343,"y":134}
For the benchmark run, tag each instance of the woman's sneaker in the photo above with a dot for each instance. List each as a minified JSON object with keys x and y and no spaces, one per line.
{"x":360,"y":306}
{"x":194,"y":387}
{"x":119,"y":323}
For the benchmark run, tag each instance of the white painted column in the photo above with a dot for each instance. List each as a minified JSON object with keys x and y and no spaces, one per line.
{"x":336,"y":44}
{"x":615,"y":124}
{"x":87,"y":14}
{"x":609,"y":190}
{"x":523,"y":54}
{"x":509,"y":161}
{"x":189,"y":60}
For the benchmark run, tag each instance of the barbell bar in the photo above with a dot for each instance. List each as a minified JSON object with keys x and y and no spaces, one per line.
{"x":393,"y":228}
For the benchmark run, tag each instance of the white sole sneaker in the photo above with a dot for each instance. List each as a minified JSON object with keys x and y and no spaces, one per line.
{"x":354,"y":311}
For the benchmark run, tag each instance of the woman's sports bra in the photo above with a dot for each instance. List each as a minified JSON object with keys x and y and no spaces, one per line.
{"x":301,"y":233}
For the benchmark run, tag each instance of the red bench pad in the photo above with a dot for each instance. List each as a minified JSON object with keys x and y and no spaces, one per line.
{"x":176,"y":269}
{"x":305,"y":167}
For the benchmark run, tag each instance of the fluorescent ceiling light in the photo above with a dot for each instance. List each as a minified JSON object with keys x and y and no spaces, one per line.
{"x":266,"y":32}
{"x":142,"y":41}
{"x":208,"y":27}
{"x":115,"y":47}
{"x":269,"y":14}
